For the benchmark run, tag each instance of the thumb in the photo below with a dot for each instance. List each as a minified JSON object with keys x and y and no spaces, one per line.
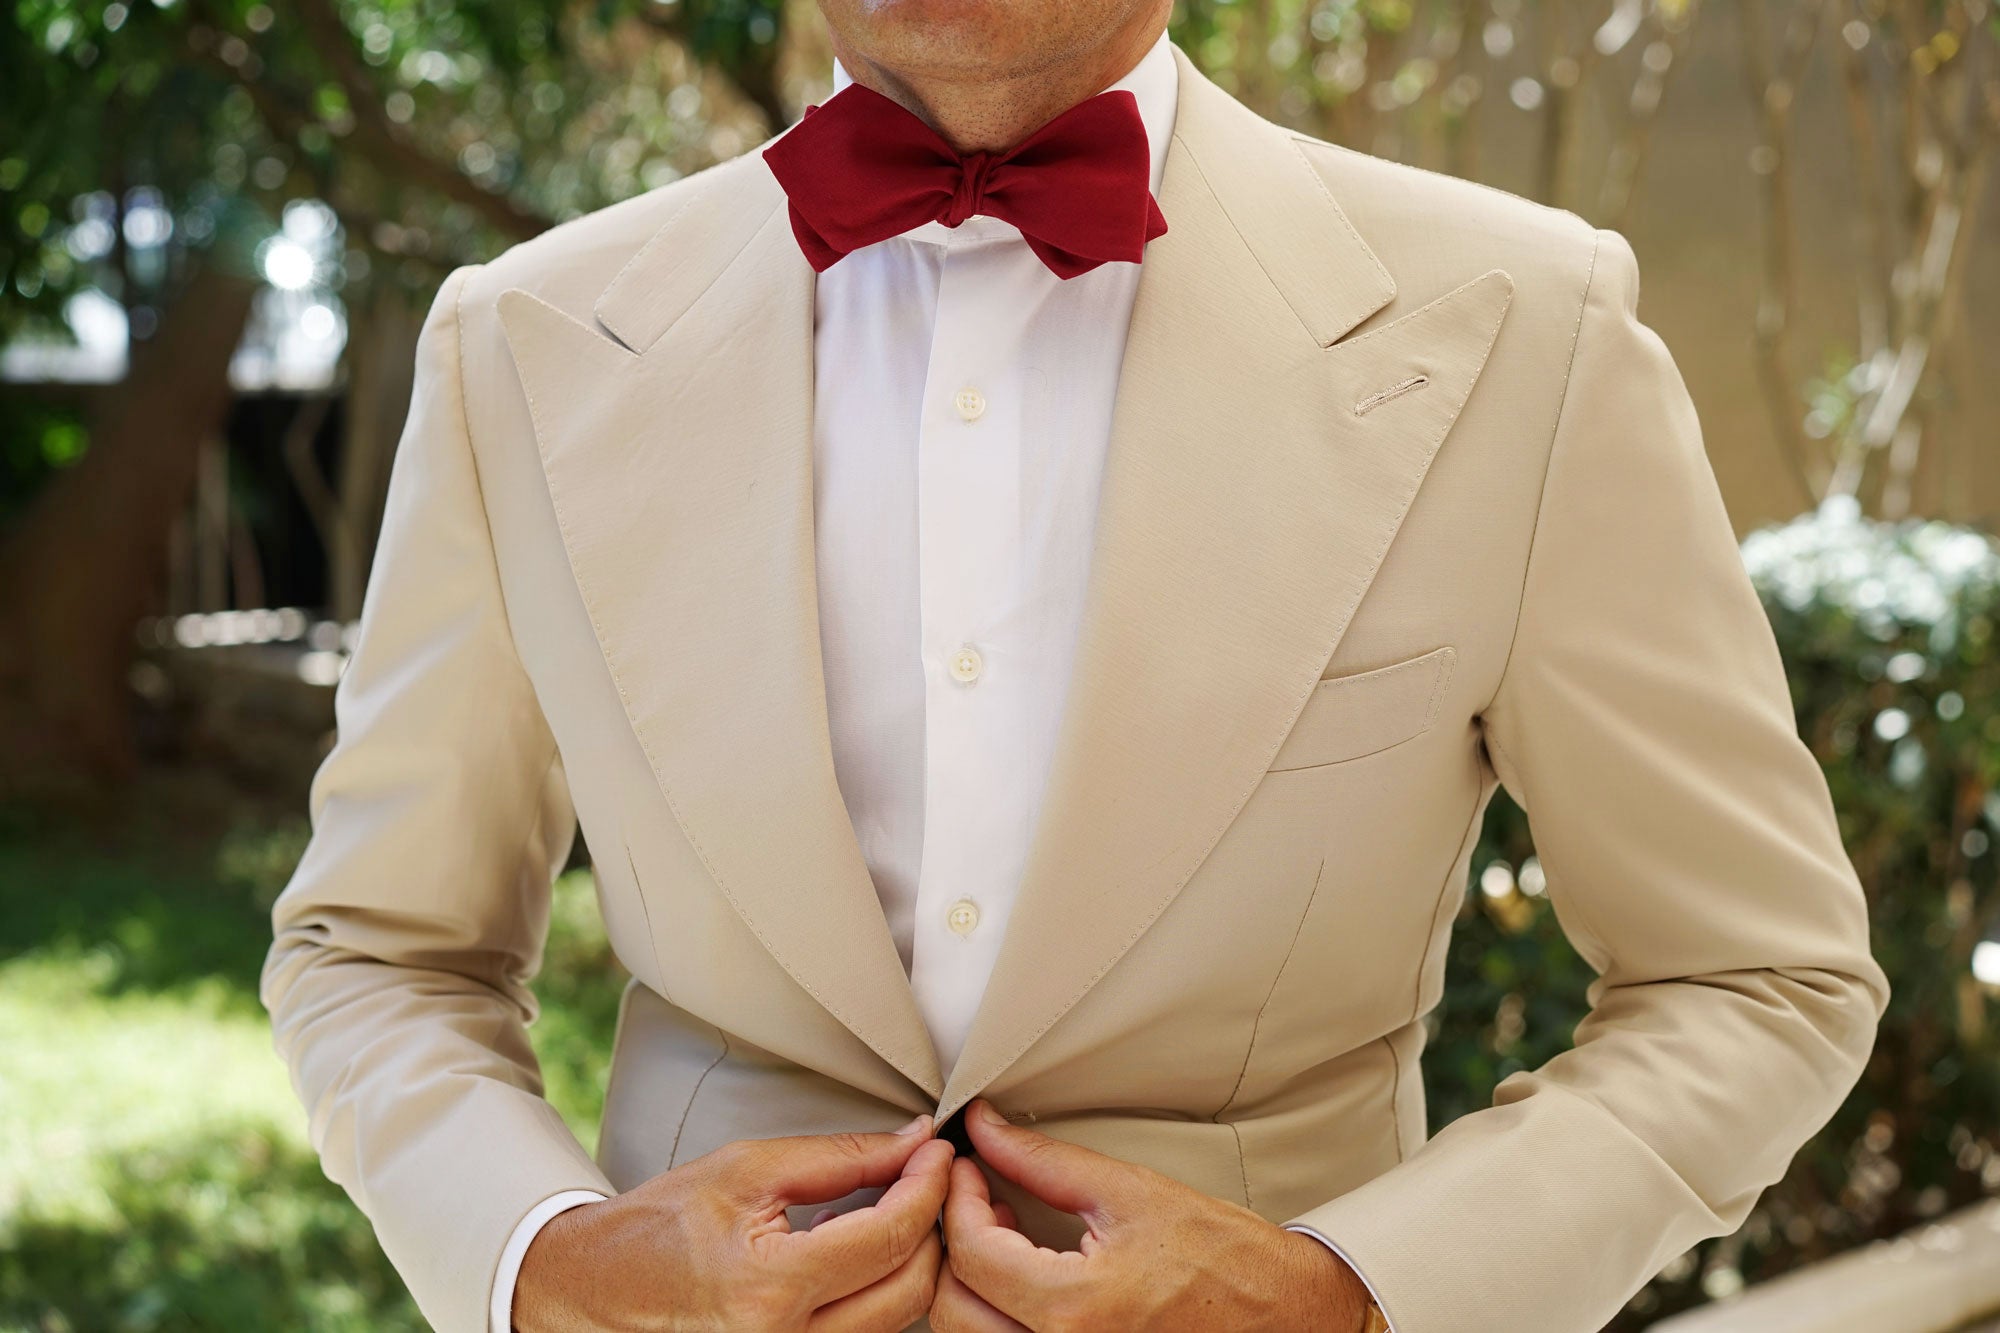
{"x":1063,"y":1175}
{"x":819,"y":1168}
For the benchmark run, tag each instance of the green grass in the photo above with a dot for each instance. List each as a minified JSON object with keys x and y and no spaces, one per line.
{"x":154,"y":1170}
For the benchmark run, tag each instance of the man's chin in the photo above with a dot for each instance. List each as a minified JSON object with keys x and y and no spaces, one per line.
{"x":953,"y":40}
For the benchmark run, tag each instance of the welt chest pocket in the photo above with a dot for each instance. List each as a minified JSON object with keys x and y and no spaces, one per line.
{"x":1351,"y":717}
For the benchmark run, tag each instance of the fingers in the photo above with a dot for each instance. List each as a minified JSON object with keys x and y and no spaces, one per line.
{"x":970,"y":1202}
{"x":771,"y":1174}
{"x":1062,"y":1175}
{"x":957,"y":1308}
{"x":896,"y":1302}
{"x":845,"y":1254}
{"x":974,"y":1185}
{"x":1003,"y":1267}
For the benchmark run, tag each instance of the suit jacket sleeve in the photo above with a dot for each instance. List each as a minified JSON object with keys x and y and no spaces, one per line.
{"x":398,"y":979}
{"x":1692,"y":855}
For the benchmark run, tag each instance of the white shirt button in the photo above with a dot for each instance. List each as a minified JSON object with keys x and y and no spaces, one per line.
{"x":963,"y":918}
{"x":965,"y":664}
{"x":971,"y":404}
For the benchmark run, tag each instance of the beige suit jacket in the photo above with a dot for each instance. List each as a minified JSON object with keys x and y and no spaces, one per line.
{"x":1402,"y":501}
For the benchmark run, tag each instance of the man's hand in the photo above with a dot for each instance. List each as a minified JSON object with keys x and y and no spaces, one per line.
{"x":707,"y":1244}
{"x":1158,"y":1255}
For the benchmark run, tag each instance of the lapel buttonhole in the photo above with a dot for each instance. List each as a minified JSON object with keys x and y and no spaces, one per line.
{"x":1397,"y":390}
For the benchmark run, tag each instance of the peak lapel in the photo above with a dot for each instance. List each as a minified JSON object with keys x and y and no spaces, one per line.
{"x":1251,"y":490}
{"x":679,"y":458}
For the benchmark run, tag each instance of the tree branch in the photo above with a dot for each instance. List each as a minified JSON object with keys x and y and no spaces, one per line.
{"x":386,"y":145}
{"x":756,"y":78}
{"x":1773,"y":85}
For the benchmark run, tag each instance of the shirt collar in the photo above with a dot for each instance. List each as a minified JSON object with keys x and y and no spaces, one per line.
{"x":1154,"y":83}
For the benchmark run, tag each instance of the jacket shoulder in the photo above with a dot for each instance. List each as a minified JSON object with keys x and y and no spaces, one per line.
{"x":1435,"y":231}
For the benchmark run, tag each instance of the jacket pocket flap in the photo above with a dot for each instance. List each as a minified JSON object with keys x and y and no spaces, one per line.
{"x":1349,"y":717}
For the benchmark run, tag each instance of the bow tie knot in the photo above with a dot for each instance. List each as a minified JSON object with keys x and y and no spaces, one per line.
{"x":966,"y":200}
{"x":861,"y":169}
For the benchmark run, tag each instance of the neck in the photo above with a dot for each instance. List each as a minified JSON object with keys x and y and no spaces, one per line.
{"x":993,"y":111}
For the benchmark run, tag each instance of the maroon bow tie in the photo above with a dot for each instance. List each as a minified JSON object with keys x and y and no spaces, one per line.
{"x":861,"y":169}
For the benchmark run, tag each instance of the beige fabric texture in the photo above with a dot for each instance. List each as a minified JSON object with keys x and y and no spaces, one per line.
{"x":1402,"y":502}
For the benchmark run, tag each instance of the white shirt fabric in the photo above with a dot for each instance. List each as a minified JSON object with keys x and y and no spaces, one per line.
{"x":962,"y":410}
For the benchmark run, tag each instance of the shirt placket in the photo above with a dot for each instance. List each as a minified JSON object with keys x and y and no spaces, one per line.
{"x":968,"y":500}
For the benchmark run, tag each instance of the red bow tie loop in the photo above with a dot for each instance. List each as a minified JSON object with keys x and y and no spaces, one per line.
{"x":861,"y":169}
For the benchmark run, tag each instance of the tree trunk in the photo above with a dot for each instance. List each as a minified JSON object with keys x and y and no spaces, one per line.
{"x":86,"y":562}
{"x":381,"y":374}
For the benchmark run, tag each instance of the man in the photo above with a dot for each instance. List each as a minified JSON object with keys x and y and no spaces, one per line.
{"x":1028,"y":585}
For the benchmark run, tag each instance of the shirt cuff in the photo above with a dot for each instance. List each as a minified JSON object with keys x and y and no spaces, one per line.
{"x":501,"y":1319}
{"x":1373,"y":1294}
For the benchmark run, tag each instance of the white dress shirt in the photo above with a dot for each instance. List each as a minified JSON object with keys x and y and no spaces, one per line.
{"x":962,"y":409}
